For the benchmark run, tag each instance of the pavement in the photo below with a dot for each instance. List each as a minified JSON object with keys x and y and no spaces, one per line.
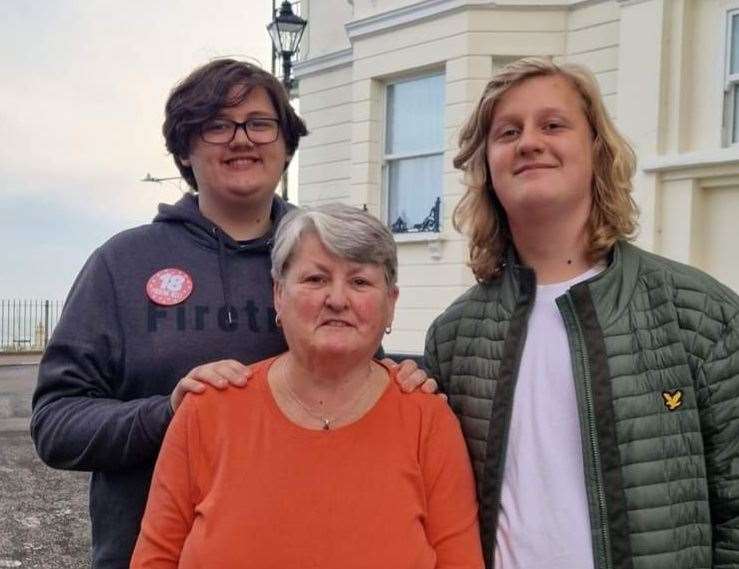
{"x":16,"y":388}
{"x":44,"y":521}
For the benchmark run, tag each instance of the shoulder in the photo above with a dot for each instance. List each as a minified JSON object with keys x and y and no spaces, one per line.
{"x":216,"y":407}
{"x":475,"y":304}
{"x":119,"y":256}
{"x":691,"y":288}
{"x":130,"y":239}
{"x":461,"y":305}
{"x":429,"y":412}
{"x":124,"y":245}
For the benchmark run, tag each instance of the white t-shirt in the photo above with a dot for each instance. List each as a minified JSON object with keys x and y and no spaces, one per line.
{"x":544,"y":521}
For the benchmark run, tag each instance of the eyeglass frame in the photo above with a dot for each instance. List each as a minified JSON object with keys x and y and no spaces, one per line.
{"x":243,"y":126}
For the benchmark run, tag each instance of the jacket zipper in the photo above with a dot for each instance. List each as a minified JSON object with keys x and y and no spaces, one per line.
{"x":592,"y":434}
{"x":517,"y":356}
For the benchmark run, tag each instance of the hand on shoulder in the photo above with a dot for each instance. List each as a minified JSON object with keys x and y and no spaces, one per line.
{"x":219,"y":374}
{"x":410,"y":377}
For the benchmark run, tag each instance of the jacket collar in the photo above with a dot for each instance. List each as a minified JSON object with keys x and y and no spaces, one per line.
{"x":611,"y":290}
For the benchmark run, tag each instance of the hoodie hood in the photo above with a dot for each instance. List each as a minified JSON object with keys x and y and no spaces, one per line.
{"x":208,"y":234}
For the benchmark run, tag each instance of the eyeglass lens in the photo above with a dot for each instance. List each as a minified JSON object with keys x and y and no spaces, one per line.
{"x":223,"y":131}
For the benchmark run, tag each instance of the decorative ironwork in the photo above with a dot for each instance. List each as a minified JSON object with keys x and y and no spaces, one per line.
{"x":428,"y":224}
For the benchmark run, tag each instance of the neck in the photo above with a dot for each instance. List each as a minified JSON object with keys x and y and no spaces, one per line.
{"x":556,"y":250}
{"x":334,"y":384}
{"x":325,"y":400}
{"x":240,"y":223}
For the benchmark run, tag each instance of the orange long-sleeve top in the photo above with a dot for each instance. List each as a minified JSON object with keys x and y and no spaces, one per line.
{"x":238,"y":485}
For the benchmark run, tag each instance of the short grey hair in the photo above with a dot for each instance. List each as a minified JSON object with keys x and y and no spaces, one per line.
{"x":347,"y":232}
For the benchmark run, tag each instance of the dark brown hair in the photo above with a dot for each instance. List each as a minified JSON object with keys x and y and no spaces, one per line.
{"x":208,"y":89}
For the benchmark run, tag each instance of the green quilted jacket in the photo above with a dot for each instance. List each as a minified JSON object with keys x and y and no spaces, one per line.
{"x":655,"y":351}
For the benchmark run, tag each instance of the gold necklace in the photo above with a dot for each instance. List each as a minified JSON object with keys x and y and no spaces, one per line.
{"x":326,"y":421}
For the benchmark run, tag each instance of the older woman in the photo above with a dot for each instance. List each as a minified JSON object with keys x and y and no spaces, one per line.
{"x":321,"y":462}
{"x":597,"y":384}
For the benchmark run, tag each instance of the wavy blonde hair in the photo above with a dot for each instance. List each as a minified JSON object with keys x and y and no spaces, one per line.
{"x":480,"y":215}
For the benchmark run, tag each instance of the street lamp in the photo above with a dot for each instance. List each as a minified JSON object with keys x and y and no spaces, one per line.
{"x":286,"y":30}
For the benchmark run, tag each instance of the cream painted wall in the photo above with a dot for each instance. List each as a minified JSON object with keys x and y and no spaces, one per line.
{"x":649,"y":56}
{"x":326,"y":106}
{"x":670,"y":107}
{"x":325,"y":29}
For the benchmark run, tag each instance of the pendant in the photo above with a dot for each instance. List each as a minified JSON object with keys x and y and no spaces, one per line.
{"x":326,"y":424}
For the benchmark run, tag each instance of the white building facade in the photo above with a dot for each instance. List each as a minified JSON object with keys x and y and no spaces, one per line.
{"x":387,"y":84}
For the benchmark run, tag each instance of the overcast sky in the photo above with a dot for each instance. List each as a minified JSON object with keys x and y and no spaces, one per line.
{"x":81,"y":106}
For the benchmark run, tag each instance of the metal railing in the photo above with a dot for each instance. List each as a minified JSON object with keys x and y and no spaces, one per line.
{"x":430,"y":223}
{"x":26,"y":325}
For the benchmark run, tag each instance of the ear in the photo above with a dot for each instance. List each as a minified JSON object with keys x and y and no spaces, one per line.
{"x":277,"y":294}
{"x":185,"y":161}
{"x":392,"y":294}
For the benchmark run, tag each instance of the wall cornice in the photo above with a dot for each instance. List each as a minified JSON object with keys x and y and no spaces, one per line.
{"x":322,"y":63}
{"x":632,"y":2}
{"x":427,"y":9}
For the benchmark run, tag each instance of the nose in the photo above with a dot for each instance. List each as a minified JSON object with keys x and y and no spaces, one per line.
{"x":530,"y":141}
{"x":336,"y":297}
{"x":240,"y":137}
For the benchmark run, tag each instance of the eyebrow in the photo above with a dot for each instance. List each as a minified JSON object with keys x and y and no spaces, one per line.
{"x":354,"y":267}
{"x":250,"y":115}
{"x":540,"y":112}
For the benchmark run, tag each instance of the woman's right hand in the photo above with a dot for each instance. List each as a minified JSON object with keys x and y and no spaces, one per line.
{"x":219,"y":374}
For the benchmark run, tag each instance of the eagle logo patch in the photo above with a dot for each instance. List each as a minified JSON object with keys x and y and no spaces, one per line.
{"x":673,"y":399}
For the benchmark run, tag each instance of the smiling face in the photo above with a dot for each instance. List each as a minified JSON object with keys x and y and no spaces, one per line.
{"x":240,"y":173}
{"x":540,"y":151}
{"x":332,"y":307}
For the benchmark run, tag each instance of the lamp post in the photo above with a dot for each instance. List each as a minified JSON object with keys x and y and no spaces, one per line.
{"x":286,"y":30}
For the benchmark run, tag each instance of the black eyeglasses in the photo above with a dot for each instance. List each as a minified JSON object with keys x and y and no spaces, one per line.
{"x":259,"y":130}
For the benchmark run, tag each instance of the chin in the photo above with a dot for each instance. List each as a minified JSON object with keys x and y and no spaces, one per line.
{"x":249,"y":193}
{"x":338,"y":350}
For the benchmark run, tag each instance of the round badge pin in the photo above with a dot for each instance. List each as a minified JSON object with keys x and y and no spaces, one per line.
{"x":169,"y":286}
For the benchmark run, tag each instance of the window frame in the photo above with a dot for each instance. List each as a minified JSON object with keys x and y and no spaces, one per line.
{"x":386,"y":159}
{"x":731,"y":81}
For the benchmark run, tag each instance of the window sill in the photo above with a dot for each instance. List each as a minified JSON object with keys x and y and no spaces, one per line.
{"x":433,"y":239}
{"x":699,"y":159}
{"x":417,"y":237}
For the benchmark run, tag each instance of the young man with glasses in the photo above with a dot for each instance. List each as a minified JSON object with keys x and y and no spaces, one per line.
{"x":155,"y":304}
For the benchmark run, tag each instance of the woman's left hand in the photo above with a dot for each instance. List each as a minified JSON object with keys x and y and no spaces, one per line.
{"x":410,"y":377}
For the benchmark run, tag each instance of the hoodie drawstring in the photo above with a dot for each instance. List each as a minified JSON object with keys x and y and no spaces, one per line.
{"x":222,"y":269}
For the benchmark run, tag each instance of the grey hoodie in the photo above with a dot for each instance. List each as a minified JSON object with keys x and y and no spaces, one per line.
{"x":102,"y":400}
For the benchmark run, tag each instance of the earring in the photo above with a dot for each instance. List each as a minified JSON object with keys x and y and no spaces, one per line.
{"x":278,"y":322}
{"x":388,"y":328}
